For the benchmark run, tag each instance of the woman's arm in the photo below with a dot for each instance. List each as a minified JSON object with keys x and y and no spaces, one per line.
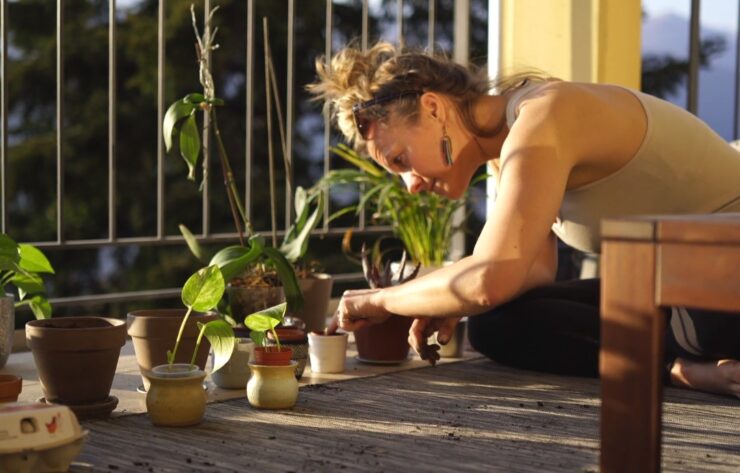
{"x":510,"y":255}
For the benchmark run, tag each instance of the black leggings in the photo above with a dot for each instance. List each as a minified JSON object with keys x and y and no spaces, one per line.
{"x":555,"y":329}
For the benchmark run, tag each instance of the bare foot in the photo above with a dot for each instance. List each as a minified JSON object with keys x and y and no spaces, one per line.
{"x":721,"y":376}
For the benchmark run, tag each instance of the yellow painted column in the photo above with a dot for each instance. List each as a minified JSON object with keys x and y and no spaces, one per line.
{"x":579,"y":40}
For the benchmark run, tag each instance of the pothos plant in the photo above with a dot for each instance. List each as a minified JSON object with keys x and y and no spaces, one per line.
{"x":423,"y":221}
{"x":201,"y":293}
{"x":180,"y":122}
{"x":22,"y":265}
{"x":265,"y":321}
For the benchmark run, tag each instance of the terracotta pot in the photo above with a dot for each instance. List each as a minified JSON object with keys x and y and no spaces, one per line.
{"x":297,"y":341}
{"x":271,"y":356}
{"x":76,"y":357}
{"x":327,"y":352}
{"x":154,"y":331}
{"x":384,"y":343}
{"x":176,"y":397}
{"x":10,"y":387}
{"x":235,"y":373}
{"x":316,"y":291}
{"x":248,"y":300}
{"x":7,"y":326}
{"x":272,"y":387}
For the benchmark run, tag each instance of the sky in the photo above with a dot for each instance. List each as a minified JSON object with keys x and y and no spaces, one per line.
{"x":717,"y":14}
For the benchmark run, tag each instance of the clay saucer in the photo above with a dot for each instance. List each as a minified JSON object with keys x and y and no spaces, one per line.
{"x":95,"y":410}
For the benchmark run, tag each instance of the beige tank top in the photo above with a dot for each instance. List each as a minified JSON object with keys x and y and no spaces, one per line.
{"x":682,"y":166}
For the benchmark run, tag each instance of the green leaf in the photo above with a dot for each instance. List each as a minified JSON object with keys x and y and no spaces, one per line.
{"x":286,"y":273}
{"x":177,"y":111}
{"x":190,"y":145}
{"x":9,"y":253}
{"x":193,"y":244}
{"x":204,"y":289}
{"x":221,"y":336}
{"x":216,"y":101}
{"x":40,"y":307}
{"x":233,"y":260}
{"x":257,"y":337}
{"x":33,"y":260}
{"x":194,"y":98}
{"x":266,"y":319}
{"x":296,"y":239}
{"x":27,"y":284}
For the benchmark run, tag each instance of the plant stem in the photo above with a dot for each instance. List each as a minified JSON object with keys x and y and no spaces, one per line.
{"x":197,"y":344}
{"x":277,"y":340}
{"x":179,"y":336}
{"x":231,"y":191}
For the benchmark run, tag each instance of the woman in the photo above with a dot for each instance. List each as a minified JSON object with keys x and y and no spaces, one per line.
{"x":564,"y":156}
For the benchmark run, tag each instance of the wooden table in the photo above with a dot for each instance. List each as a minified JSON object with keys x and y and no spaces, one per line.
{"x":650,"y":263}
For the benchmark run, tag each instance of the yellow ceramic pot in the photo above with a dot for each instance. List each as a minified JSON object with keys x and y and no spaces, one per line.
{"x":176,"y":397}
{"x":272,"y":387}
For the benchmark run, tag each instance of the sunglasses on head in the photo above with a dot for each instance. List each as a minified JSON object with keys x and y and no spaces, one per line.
{"x":363,"y":123}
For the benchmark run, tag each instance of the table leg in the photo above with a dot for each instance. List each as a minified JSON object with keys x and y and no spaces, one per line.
{"x":631,"y":360}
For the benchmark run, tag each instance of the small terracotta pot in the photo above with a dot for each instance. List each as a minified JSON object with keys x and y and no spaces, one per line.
{"x":271,"y":356}
{"x":386,"y":342}
{"x":10,"y":387}
{"x":176,"y":397}
{"x":76,"y":357}
{"x":154,"y":331}
{"x":272,"y":387}
{"x":327,"y":352}
{"x":295,"y":339}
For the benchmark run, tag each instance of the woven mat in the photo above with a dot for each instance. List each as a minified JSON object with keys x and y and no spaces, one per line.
{"x":468,"y":416}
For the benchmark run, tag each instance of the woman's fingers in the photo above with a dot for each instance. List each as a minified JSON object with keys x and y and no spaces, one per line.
{"x":447,"y":329}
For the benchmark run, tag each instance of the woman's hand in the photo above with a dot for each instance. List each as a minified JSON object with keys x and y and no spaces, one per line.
{"x":360,"y":308}
{"x":423,"y":328}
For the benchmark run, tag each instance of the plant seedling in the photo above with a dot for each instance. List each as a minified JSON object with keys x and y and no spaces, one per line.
{"x":20,"y":265}
{"x":201,"y":293}
{"x":260,"y":322}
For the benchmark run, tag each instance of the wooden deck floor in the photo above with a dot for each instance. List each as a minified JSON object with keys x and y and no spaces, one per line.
{"x":468,"y":416}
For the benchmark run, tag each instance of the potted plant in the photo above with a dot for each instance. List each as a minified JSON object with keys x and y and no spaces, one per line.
{"x":10,"y":387}
{"x":273,"y":384}
{"x":176,"y":396}
{"x":20,"y":266}
{"x":76,"y":359}
{"x":386,"y":342}
{"x":315,"y":285}
{"x":252,"y":264}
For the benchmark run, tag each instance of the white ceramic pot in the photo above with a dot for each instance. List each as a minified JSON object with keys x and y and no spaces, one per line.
{"x":272,"y":386}
{"x":235,"y":373}
{"x":327,"y":352}
{"x":453,"y":348}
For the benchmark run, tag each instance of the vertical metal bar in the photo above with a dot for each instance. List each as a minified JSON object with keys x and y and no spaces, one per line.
{"x":206,"y":198}
{"x":3,"y":112}
{"x":268,"y":113}
{"x":160,"y":117}
{"x":693,"y":84}
{"x":399,"y":22}
{"x":289,"y":114}
{"x":364,"y":24}
{"x":60,"y":120}
{"x":461,"y":54}
{"x":362,"y":222}
{"x":112,"y":120}
{"x":249,"y":110}
{"x":736,"y":116}
{"x":430,"y":29}
{"x":327,"y":121}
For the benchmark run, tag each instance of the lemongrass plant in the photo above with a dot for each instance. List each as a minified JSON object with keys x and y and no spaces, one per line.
{"x":423,"y":221}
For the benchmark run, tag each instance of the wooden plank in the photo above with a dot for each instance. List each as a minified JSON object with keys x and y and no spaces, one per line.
{"x":701,"y":276}
{"x":632,"y":331}
{"x":720,"y":228}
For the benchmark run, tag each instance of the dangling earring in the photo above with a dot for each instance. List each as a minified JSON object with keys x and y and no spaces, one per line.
{"x":446,"y":147}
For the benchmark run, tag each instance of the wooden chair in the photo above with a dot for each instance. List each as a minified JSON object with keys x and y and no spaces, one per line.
{"x":649,"y":263}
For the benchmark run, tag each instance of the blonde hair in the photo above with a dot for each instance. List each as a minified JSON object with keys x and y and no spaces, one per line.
{"x":354,"y":76}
